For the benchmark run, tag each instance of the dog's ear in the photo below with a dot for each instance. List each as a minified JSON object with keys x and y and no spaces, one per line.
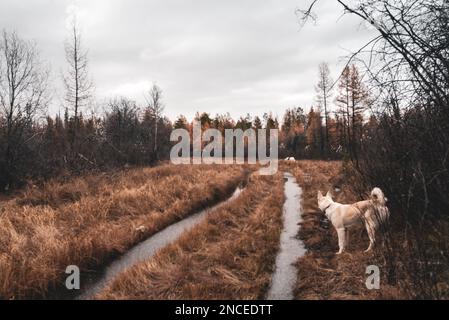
{"x":329,"y":194}
{"x":320,"y":195}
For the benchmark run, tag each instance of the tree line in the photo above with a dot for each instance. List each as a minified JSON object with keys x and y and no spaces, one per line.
{"x":34,"y":145}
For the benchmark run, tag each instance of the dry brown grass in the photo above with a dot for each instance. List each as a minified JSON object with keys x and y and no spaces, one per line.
{"x":231,"y":255}
{"x":322,"y":274}
{"x":88,"y":220}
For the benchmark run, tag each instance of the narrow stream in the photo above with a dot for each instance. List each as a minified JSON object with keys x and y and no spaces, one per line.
{"x":291,"y":248}
{"x":145,"y":250}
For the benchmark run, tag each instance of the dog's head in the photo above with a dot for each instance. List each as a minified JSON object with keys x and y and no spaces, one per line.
{"x":324,"y":202}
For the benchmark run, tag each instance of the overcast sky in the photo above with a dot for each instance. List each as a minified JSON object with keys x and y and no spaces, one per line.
{"x":237,"y":56}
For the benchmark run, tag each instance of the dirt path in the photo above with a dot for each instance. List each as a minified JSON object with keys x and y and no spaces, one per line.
{"x":291,"y":248}
{"x":148,"y":249}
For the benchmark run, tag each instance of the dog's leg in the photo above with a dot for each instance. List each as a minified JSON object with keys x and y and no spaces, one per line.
{"x":347,"y":237}
{"x":372,"y":236}
{"x":341,"y":239}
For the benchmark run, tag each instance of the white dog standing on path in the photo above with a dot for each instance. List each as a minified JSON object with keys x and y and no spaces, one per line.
{"x":373,"y":213}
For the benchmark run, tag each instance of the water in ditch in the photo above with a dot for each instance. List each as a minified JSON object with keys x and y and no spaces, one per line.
{"x":147,"y":249}
{"x":291,"y":248}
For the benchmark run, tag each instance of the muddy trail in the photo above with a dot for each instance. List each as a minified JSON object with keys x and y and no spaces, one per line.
{"x":291,"y":248}
{"x":145,"y":250}
{"x":285,"y":274}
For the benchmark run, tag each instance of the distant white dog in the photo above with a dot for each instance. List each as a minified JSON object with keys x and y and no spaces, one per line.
{"x":290,"y":159}
{"x":373,"y":213}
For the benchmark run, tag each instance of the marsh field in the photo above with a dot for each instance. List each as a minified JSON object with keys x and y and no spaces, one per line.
{"x":135,"y":139}
{"x":91,"y":221}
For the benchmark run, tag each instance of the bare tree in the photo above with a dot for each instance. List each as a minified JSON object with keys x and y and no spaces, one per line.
{"x":410,"y":51}
{"x":76,"y":79}
{"x":156,"y":109}
{"x":353,"y":101}
{"x":23,"y":88}
{"x":408,"y":65}
{"x":324,"y":91}
{"x":121,"y":129}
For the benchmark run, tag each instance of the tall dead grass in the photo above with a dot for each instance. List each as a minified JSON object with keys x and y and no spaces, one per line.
{"x":88,"y":220}
{"x":323,"y":275}
{"x":231,"y":255}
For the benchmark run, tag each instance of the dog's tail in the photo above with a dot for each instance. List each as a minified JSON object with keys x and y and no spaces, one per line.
{"x":378,"y":197}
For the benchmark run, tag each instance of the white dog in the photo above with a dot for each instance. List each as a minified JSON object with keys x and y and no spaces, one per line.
{"x":373,"y":213}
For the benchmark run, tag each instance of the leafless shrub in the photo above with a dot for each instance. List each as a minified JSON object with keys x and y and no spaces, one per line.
{"x":406,"y":153}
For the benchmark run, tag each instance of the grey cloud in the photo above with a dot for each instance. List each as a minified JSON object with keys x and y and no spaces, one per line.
{"x":214,"y":56}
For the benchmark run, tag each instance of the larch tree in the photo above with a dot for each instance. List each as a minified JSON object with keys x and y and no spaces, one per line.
{"x":343,"y":101}
{"x":181,"y":123}
{"x":352,"y":100}
{"x":155,"y":108}
{"x":324,"y":95}
{"x":257,"y":123}
{"x":313,"y":132}
{"x":77,"y":81}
